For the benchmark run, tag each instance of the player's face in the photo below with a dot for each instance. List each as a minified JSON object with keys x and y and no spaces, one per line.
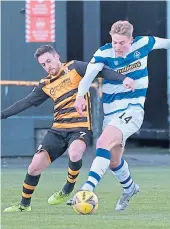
{"x":50,"y":62}
{"x":121,"y":44}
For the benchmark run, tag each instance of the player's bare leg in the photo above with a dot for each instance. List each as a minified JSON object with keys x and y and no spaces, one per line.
{"x":111,"y":138}
{"x":76,"y":150}
{"x":39,"y":162}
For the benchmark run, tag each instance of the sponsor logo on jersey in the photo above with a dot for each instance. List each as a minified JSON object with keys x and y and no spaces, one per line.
{"x":130,"y":67}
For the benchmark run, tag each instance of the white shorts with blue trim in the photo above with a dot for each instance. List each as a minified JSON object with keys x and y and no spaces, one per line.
{"x":128,"y":121}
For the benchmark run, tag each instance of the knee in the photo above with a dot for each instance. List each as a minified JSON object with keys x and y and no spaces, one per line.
{"x":76,"y":150}
{"x":102,"y":142}
{"x":34,"y":170}
{"x":75,"y":155}
{"x":36,"y":167}
{"x":39,"y":162}
{"x":106,"y":143}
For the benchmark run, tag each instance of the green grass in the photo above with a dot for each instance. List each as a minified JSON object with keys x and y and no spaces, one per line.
{"x":148,"y":210}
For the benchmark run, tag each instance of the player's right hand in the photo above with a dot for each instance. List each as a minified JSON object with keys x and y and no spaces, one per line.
{"x":129,"y":83}
{"x":80,"y":105}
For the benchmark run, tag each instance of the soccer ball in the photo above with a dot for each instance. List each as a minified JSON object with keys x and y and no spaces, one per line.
{"x":85,"y":202}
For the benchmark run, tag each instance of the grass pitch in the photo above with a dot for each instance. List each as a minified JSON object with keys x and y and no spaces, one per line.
{"x":150,"y":209}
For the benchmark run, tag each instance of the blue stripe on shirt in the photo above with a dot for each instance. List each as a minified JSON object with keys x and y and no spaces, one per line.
{"x":120,"y":110}
{"x":108,"y":98}
{"x":106,"y":46}
{"x":138,"y":74}
{"x":137,"y":39}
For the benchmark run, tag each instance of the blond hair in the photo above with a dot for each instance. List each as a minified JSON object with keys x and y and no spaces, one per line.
{"x":122,"y":28}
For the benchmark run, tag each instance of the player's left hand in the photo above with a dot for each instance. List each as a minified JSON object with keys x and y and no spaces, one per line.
{"x":80,"y":105}
{"x":129,"y":83}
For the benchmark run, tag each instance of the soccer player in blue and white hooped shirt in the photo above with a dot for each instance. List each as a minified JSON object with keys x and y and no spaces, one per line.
{"x":123,"y":103}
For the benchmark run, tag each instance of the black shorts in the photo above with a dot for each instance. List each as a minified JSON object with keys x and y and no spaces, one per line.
{"x":57,"y":142}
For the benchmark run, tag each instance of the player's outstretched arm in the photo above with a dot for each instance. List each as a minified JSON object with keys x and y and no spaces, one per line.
{"x":161,"y":43}
{"x":106,"y":73}
{"x":110,"y":74}
{"x":35,"y":98}
{"x":91,"y":73}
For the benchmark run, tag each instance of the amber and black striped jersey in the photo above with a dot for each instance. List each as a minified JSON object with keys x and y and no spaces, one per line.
{"x":62,"y":89}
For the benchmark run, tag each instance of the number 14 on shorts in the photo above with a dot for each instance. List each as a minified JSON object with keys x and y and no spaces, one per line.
{"x":125,"y":117}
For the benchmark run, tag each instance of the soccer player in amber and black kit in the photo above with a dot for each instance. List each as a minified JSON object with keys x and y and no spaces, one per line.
{"x":69,"y":130}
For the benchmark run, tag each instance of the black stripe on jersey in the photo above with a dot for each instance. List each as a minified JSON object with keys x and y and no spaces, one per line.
{"x":65,"y":96}
{"x":65,"y":104}
{"x":57,"y":77}
{"x":71,"y":120}
{"x":68,"y":110}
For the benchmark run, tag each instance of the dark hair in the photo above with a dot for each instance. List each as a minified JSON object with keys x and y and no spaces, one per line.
{"x":44,"y":49}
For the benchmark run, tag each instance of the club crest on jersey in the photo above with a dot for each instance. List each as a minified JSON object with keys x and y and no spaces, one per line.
{"x":137,"y":55}
{"x":116,"y":62}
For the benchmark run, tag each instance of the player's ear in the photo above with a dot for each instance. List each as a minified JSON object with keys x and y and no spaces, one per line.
{"x":57,"y":56}
{"x":131,"y":40}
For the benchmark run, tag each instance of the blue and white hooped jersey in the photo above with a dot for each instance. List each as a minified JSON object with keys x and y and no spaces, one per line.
{"x":115,"y":96}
